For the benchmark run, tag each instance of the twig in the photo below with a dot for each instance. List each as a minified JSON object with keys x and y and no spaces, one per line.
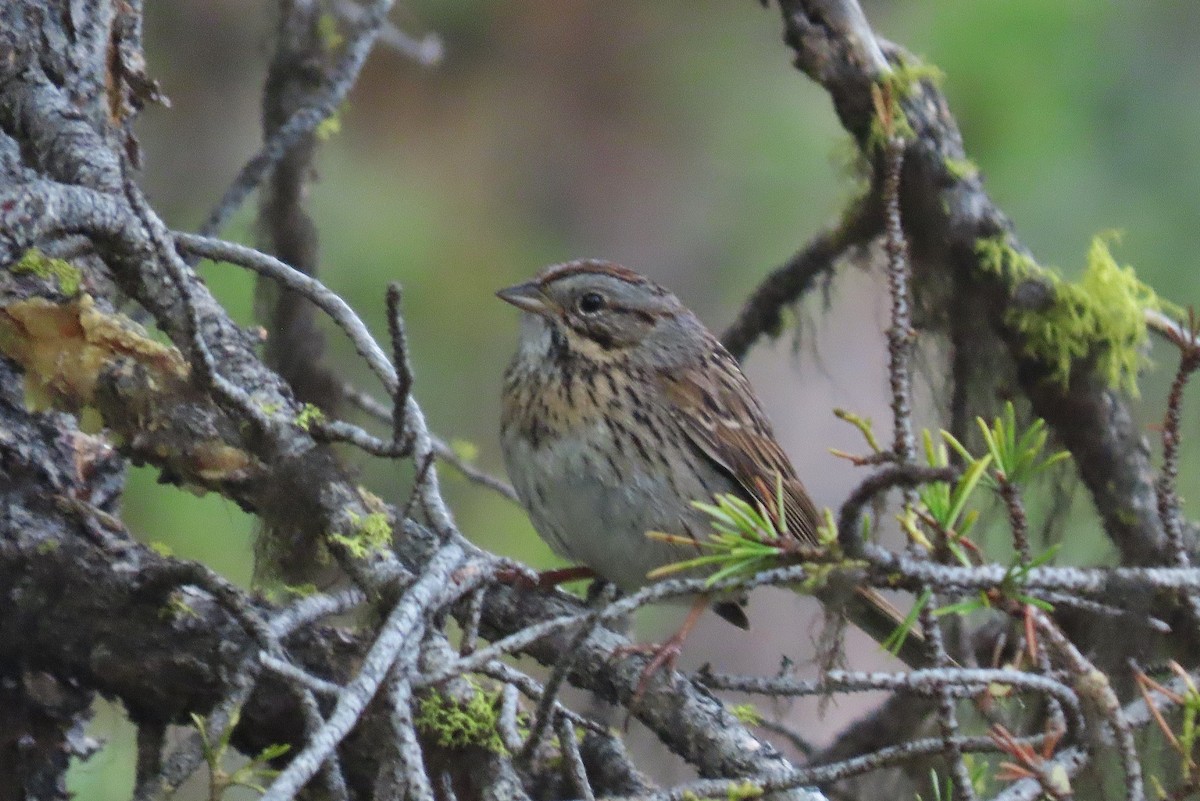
{"x":900,"y":334}
{"x":404,"y":376}
{"x":1094,"y":689}
{"x":963,"y":683}
{"x":842,"y":769}
{"x":506,"y":718}
{"x":445,"y":453}
{"x":338,"y":310}
{"x":572,"y":761}
{"x":150,"y":738}
{"x":1018,"y":522}
{"x":304,"y":121}
{"x":291,"y":672}
{"x":797,"y":741}
{"x":1168,"y":499}
{"x":312,"y":608}
{"x":409,"y":772}
{"x":531,"y":689}
{"x":947,"y":706}
{"x":545,"y":710}
{"x":427,"y":51}
{"x":406,"y":621}
{"x":157,"y":234}
{"x":763,"y":312}
{"x":341,"y":431}
{"x":899,"y":475}
{"x":470,"y":621}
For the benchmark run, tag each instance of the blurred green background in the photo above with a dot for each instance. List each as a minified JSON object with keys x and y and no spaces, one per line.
{"x":676,"y":138}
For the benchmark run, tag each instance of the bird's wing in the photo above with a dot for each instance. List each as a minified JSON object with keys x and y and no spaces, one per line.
{"x":715,"y":406}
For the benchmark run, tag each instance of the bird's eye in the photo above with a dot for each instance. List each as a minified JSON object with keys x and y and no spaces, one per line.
{"x":591,"y":302}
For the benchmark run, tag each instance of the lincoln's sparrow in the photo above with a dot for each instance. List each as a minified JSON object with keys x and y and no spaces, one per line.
{"x":620,"y":409}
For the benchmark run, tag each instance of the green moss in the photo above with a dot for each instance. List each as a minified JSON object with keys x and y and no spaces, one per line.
{"x":898,"y":85}
{"x":877,"y":138}
{"x":455,"y":724}
{"x":37,"y":263}
{"x":48,"y":546}
{"x":1100,"y":317}
{"x":996,"y":257}
{"x":908,"y":73}
{"x":371,"y":534}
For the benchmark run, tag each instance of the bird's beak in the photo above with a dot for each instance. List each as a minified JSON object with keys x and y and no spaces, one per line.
{"x":526,"y":297}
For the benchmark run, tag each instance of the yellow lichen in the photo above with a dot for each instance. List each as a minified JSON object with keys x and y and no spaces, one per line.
{"x":309,"y":414}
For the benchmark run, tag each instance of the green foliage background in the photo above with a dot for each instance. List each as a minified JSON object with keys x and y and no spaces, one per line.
{"x":674,"y":137}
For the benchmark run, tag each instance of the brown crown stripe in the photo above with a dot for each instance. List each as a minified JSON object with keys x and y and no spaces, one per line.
{"x":592,"y":266}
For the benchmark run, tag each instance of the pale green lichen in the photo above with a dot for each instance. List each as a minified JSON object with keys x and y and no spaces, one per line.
{"x":330,"y":32}
{"x":960,"y":169}
{"x":464,"y":449}
{"x":1100,"y":317}
{"x":35,"y":262}
{"x":747,"y":714}
{"x":176,"y":608}
{"x":329,"y":127}
{"x":285,"y":593}
{"x":371,"y":534}
{"x":736,"y":792}
{"x":740,"y":792}
{"x":162,"y":549}
{"x":457,"y":724}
